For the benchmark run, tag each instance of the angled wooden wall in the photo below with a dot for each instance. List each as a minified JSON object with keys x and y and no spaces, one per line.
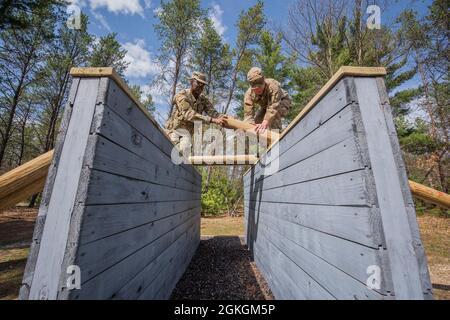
{"x":114,"y":204}
{"x":339,"y":205}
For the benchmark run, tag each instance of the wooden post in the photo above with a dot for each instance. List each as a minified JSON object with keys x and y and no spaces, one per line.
{"x":271,"y":136}
{"x":427,"y":194}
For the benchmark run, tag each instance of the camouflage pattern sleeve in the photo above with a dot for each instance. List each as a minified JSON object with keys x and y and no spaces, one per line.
{"x":249,"y":110}
{"x":187,"y":112}
{"x":210,"y":110}
{"x":274,"y":103}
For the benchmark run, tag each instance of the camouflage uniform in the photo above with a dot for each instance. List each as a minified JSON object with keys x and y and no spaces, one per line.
{"x":271,"y":105}
{"x":186,"y":110}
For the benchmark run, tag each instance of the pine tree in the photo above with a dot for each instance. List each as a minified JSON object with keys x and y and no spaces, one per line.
{"x":250,"y":24}
{"x":213,"y":58}
{"x":178,"y":30}
{"x":108,"y":52}
{"x":21,"y":54}
{"x":70,"y":49}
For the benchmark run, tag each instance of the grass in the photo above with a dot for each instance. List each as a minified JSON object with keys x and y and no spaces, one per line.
{"x":12,"y":265}
{"x":222,"y":226}
{"x":435,"y":234}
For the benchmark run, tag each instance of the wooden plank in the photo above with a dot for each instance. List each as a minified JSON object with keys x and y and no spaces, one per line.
{"x":295,"y":283}
{"x":111,"y":283}
{"x":340,"y":74}
{"x":96,"y":257}
{"x":350,"y":223}
{"x":46,"y":194}
{"x":406,"y":190}
{"x":110,"y":73}
{"x":117,"y":130}
{"x":123,"y":106}
{"x":172,"y":270}
{"x":342,"y":190}
{"x":24,"y":175}
{"x":104,"y":221}
{"x":23,"y":193}
{"x":178,"y":268}
{"x":335,"y":281}
{"x":315,"y":166}
{"x":403,"y":262}
{"x":106,"y":188}
{"x":114,"y":159}
{"x":49,"y":261}
{"x":347,"y":256}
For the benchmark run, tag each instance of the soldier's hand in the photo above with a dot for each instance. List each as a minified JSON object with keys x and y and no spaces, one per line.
{"x":221,"y":121}
{"x":261,"y":128}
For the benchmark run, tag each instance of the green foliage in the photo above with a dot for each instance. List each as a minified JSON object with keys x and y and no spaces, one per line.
{"x":270,"y":58}
{"x":213,"y":58}
{"x":250,"y":24}
{"x":306,"y":82}
{"x":18,"y":14}
{"x":178,"y":30}
{"x":108,"y":52}
{"x":146,"y":101}
{"x":220,"y":194}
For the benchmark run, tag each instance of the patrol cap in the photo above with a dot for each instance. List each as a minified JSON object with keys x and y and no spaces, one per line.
{"x":255,"y":76}
{"x":200,"y":77}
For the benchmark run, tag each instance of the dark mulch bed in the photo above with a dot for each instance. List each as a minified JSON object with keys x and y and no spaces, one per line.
{"x":222,"y":270}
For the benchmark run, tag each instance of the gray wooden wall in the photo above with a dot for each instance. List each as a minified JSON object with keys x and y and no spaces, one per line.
{"x":339,"y":205}
{"x":114,"y":204}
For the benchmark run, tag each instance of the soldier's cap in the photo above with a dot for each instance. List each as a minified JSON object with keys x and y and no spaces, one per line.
{"x":200,"y":77}
{"x":255,"y":76}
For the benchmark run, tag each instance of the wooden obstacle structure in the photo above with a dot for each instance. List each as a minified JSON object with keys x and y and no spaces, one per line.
{"x":329,"y":213}
{"x":328,"y":208}
{"x":114,"y":204}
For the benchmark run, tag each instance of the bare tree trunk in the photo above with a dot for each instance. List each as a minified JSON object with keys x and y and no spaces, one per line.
{"x":11,"y":116}
{"x":178,"y":61}
{"x":22,"y":134}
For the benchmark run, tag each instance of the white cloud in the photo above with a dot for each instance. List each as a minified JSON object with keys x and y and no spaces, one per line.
{"x":141,"y":64}
{"x":116,"y":6}
{"x":215,"y":14}
{"x":100,"y":18}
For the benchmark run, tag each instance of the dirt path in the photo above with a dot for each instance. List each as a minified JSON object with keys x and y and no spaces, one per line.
{"x":222,"y":270}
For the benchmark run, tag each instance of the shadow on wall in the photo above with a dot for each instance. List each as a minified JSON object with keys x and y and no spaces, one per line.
{"x":222,"y":270}
{"x":256,"y":188}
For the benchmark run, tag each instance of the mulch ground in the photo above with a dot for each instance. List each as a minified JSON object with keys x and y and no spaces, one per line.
{"x":222,"y":270}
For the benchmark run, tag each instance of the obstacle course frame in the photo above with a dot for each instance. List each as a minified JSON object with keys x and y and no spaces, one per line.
{"x":114,"y":204}
{"x":337,"y":220}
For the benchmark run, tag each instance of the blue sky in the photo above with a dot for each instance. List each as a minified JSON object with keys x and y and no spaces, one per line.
{"x":133,"y":21}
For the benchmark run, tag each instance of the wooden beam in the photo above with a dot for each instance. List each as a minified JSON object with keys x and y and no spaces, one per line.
{"x":24,"y":181}
{"x":232,"y":123}
{"x":223,"y":160}
{"x":430,"y":195}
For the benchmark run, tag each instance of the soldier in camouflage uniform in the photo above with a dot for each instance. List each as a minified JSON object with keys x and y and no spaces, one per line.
{"x":189,"y":106}
{"x":265,"y":102}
